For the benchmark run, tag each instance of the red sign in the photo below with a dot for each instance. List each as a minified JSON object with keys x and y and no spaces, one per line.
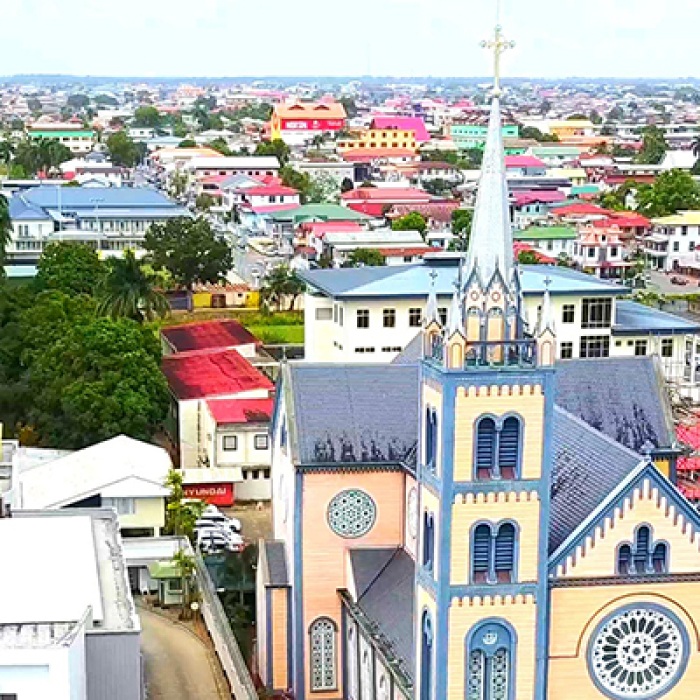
{"x":216,"y":494}
{"x":313,"y":124}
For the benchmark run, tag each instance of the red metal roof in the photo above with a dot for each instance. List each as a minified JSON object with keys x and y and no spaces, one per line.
{"x":387,"y":194}
{"x":321,"y":227}
{"x":267,"y":191}
{"x":206,"y":335}
{"x":205,"y":373}
{"x":269,"y":208}
{"x":520,"y":247}
{"x":530,"y":197}
{"x":414,"y":124}
{"x":580,"y":210}
{"x":241,"y":410}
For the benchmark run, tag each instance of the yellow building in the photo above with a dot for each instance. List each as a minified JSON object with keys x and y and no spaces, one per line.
{"x":468,"y":522}
{"x":380,"y":140}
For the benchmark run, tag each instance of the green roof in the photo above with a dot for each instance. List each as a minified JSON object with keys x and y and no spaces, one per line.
{"x":544,"y":233}
{"x":321,"y":212}
{"x":585,"y":189}
{"x":164,"y":569}
{"x":52,"y":134}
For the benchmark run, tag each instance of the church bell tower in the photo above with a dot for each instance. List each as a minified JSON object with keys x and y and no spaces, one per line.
{"x":484,"y":466}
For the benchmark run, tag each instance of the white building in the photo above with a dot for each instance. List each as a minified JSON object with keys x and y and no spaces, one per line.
{"x":254,"y":166}
{"x":121,"y":473}
{"x":109,"y":219}
{"x":68,"y":626}
{"x":395,"y":246}
{"x":672,"y":241}
{"x":372,"y":314}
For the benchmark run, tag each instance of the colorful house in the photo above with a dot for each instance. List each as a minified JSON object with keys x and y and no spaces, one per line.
{"x":299,"y":122}
{"x":470,"y":131}
{"x":461,"y":525}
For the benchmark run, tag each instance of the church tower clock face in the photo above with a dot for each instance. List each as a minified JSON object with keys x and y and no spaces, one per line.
{"x":638,"y":652}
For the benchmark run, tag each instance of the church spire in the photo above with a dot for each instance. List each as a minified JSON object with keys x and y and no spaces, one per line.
{"x":491,"y":241}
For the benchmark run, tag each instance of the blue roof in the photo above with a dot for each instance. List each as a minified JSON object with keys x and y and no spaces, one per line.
{"x":21,"y":210}
{"x":75,"y":198}
{"x":413,"y":280}
{"x":632,"y":318}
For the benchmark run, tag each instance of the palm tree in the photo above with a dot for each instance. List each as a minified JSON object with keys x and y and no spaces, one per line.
{"x":128,"y":291}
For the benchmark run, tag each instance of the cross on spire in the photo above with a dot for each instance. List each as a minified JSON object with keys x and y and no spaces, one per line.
{"x":498,"y":45}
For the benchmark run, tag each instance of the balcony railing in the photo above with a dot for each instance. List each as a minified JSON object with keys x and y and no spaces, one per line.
{"x":512,"y":354}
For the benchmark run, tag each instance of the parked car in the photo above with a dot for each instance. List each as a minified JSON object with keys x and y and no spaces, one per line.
{"x":229,"y":525}
{"x":679,"y":280}
{"x":213,"y":513}
{"x":215,"y":539}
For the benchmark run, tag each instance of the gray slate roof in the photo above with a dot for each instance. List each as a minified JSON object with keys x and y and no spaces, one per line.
{"x":276,"y":563}
{"x":348,"y":414}
{"x":384,"y":579}
{"x":632,"y":318}
{"x":623,"y":397}
{"x":412,"y":353}
{"x":588,"y":466}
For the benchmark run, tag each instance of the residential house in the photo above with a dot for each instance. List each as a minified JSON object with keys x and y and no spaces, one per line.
{"x":70,"y":134}
{"x":601,"y":252}
{"x":553,"y":241}
{"x":220,"y":334}
{"x":376,"y":201}
{"x":397,"y":247}
{"x":525,"y":166}
{"x":121,"y":473}
{"x":470,"y":131}
{"x":672,"y":242}
{"x":530,"y":206}
{"x":199,"y":168}
{"x":68,"y":625}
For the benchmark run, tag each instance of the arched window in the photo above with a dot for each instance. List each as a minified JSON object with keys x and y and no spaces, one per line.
{"x":505,"y":553}
{"x":428,"y":540}
{"x":485,"y":448}
{"x":426,"y":660}
{"x":508,"y":447}
{"x":497,"y":452}
{"x":643,"y":556}
{"x":493,"y":554}
{"x":489,"y":663}
{"x":431,"y":438}
{"x":323,"y":668}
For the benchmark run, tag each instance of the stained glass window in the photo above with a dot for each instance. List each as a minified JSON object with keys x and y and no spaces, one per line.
{"x":352,"y":513}
{"x":488,"y":672}
{"x":323,"y":675}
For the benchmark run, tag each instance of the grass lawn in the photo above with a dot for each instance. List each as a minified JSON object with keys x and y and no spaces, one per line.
{"x":278,"y":334}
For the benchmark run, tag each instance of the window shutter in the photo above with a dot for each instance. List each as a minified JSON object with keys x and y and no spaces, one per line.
{"x":505,"y":552}
{"x":485,"y":446}
{"x":641,"y":550}
{"x":660,"y":559}
{"x":509,"y":447}
{"x":624,"y":559}
{"x":428,"y":438}
{"x":481,"y":553}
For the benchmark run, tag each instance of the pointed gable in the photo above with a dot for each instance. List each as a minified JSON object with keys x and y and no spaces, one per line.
{"x":644,"y":498}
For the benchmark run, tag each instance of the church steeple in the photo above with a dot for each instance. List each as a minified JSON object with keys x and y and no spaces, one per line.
{"x":491,"y":241}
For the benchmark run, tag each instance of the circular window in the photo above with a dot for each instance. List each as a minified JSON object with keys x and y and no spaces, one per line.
{"x":352,"y":513}
{"x":638,"y":653}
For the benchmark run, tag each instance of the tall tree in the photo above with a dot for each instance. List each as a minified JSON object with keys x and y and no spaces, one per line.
{"x":99,"y":380}
{"x":413,"y":221}
{"x":128,"y":291}
{"x":365,"y":257}
{"x":5,"y":229}
{"x":70,"y":268}
{"x":281,"y":284}
{"x":672,"y":191}
{"x":190,"y":250}
{"x":461,"y":228}
{"x":654,"y":146}
{"x":123,"y":150}
{"x":276,"y":147}
{"x":147,"y":116}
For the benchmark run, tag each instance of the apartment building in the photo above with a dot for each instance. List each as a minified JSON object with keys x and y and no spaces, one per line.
{"x":372,"y":314}
{"x":672,"y":241}
{"x":72,"y":135}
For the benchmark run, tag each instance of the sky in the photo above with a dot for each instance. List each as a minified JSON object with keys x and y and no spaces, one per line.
{"x":217,"y":38}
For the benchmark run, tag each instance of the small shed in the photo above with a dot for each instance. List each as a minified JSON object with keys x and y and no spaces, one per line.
{"x":169,"y":580}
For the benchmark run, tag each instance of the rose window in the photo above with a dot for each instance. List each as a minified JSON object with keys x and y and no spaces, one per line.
{"x":352,"y":513}
{"x":638,"y":653}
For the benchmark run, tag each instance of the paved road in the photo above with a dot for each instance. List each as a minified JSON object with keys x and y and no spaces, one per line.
{"x":177,"y":663}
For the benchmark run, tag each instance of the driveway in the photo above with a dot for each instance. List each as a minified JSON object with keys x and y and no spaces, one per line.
{"x":178,"y":665}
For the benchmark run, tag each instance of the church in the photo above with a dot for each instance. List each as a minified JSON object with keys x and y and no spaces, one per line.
{"x":477,"y":520}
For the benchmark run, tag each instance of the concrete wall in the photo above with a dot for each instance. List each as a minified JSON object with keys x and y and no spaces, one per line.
{"x":150,"y":513}
{"x":114,"y":666}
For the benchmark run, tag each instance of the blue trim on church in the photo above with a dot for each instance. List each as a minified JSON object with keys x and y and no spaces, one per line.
{"x":299,"y":639}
